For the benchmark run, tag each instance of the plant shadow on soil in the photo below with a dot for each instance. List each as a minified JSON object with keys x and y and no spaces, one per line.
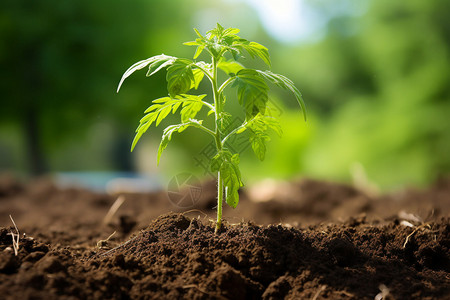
{"x":177,"y":256}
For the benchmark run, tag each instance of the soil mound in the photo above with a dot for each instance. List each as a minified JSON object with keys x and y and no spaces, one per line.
{"x":388,"y":247}
{"x":180,"y":258}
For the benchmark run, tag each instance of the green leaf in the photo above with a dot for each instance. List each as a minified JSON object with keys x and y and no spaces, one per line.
{"x":252,"y":92}
{"x":198,"y":33}
{"x":263,"y":123}
{"x":159,"y":64}
{"x":191,"y":43}
{"x":258,"y":141}
{"x":224,"y":122}
{"x":167,"y":134}
{"x":231,"y":184}
{"x":161,"y":108}
{"x":216,"y":32}
{"x":254,"y":49}
{"x":198,"y":77}
{"x":191,"y":106}
{"x":180,"y":77}
{"x":140,"y":131}
{"x":228,"y":166}
{"x":230,"y":67}
{"x":230,"y":32}
{"x":257,"y":131}
{"x":155,"y":61}
{"x":156,"y":112}
{"x":273,"y":124}
{"x":201,"y":65}
{"x":198,"y":51}
{"x":287,"y":84}
{"x":200,"y":43}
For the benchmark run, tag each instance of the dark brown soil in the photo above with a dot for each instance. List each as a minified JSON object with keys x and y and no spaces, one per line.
{"x":318,"y":241}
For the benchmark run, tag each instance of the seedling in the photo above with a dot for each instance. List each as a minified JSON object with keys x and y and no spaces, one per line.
{"x":104,"y":244}
{"x":225,"y":49}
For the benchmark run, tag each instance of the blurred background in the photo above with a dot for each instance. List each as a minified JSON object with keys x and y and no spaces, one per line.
{"x":374,"y":74}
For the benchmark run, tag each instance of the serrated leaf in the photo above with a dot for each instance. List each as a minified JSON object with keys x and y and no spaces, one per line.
{"x":230,"y":67}
{"x":198,"y":77}
{"x":142,"y":64}
{"x":167,"y":134}
{"x":163,"y":106}
{"x":228,"y":166}
{"x":258,"y":142}
{"x":252,"y":92}
{"x":231,"y":188}
{"x":235,"y":159}
{"x":140,"y":131}
{"x":201,"y":65}
{"x":223,"y":122}
{"x":230,"y":32}
{"x":198,"y":51}
{"x":216,"y":32}
{"x":163,"y":113}
{"x":216,"y":162}
{"x":262,"y":123}
{"x":191,"y":106}
{"x":254,"y":49}
{"x":274,"y":125}
{"x":287,"y":84}
{"x":179,"y":77}
{"x":159,"y":64}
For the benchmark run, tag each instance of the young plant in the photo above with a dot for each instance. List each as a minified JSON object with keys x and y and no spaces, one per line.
{"x":184,"y":75}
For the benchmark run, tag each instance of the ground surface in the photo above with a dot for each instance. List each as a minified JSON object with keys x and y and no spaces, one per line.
{"x":314,"y":240}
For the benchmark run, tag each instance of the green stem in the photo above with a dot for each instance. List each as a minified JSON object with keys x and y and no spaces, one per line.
{"x":219,"y":202}
{"x":219,"y":145}
{"x":205,"y":129}
{"x":216,"y":93}
{"x":209,"y":105}
{"x":204,"y":72}
{"x":224,"y":85}
{"x":233,"y":132}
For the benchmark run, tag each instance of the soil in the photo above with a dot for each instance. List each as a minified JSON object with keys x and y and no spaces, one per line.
{"x":300,"y":240}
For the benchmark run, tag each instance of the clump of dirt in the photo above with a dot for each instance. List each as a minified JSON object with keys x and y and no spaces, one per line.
{"x":176,"y":257}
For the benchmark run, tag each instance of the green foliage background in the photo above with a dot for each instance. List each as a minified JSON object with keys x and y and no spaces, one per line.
{"x":376,"y":87}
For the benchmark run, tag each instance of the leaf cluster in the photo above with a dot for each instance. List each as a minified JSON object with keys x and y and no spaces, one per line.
{"x":219,"y":40}
{"x":252,"y":90}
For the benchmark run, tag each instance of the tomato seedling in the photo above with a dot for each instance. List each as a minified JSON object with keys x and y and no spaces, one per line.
{"x":184,"y":75}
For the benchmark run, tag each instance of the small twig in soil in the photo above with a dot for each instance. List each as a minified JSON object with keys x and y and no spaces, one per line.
{"x":113,"y":209}
{"x":196,"y":210}
{"x":15,"y":237}
{"x":321,"y":289}
{"x":189,"y":286}
{"x":414,"y":231}
{"x":120,"y":246}
{"x":103,"y":244}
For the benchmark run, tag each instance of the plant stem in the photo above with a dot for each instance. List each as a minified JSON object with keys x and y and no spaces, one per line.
{"x":233,"y":132}
{"x":224,"y":85}
{"x":219,"y":145}
{"x":219,"y":202}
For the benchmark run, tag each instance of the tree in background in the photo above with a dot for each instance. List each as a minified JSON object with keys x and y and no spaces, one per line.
{"x":380,"y":82}
{"x":60,"y":61}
